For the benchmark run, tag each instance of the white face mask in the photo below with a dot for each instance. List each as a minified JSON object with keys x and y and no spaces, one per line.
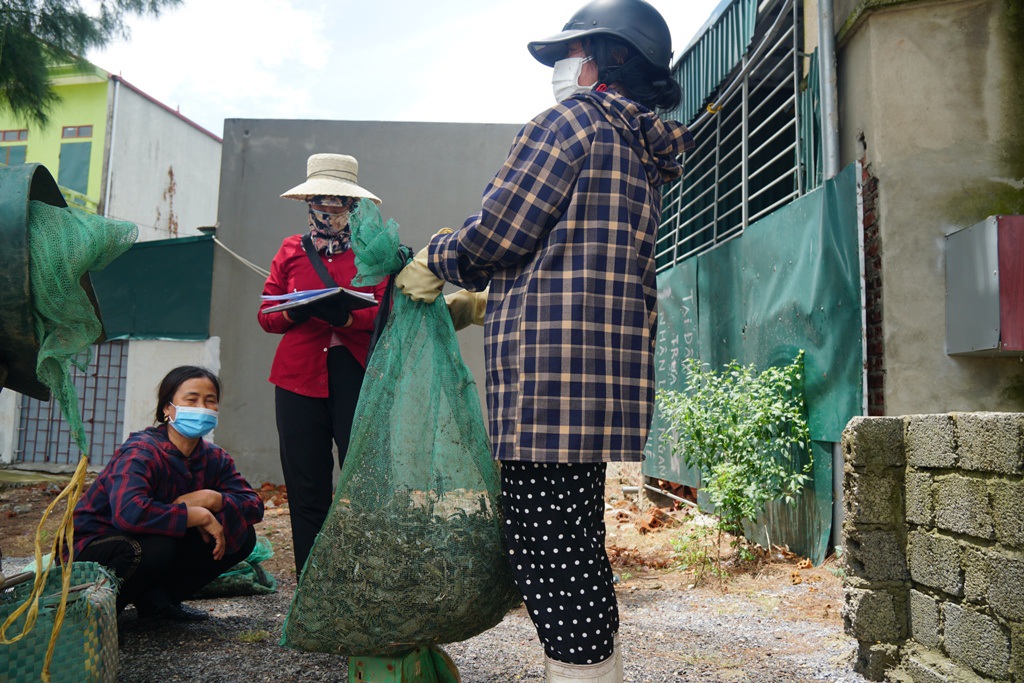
{"x":566,"y":75}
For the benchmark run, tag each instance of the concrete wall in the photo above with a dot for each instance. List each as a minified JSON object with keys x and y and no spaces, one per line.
{"x":429,"y":175}
{"x":9,"y":402}
{"x":163,"y":170}
{"x":931,"y":99}
{"x":933,"y":541}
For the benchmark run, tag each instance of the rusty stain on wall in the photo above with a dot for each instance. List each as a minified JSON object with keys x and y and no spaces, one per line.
{"x":169,"y":192}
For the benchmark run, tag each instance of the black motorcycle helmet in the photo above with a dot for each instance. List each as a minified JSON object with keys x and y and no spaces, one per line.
{"x":633,"y":21}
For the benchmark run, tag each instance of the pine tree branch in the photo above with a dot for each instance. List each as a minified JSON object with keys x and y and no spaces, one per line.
{"x":34,"y":34}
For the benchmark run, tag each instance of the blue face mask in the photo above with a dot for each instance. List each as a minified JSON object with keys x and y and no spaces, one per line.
{"x":193,"y":423}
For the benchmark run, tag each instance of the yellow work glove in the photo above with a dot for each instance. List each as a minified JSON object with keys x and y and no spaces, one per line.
{"x":417,"y":281}
{"x":466,"y":308}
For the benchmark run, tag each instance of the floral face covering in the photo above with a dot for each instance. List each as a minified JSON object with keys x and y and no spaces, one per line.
{"x":329,"y":230}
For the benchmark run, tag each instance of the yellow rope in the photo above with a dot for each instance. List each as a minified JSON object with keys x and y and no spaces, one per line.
{"x":64,"y":539}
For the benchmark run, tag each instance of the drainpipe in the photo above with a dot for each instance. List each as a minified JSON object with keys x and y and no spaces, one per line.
{"x":830,"y":153}
{"x":828,"y":89}
{"x":110,"y":143}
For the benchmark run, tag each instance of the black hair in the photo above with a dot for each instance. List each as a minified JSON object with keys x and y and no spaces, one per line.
{"x":173,"y":380}
{"x":619,"y":63}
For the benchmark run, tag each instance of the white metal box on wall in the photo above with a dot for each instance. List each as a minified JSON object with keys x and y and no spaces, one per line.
{"x":985,"y":288}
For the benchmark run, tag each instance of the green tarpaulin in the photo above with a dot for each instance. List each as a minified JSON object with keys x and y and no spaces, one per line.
{"x":158,"y":290}
{"x":792,"y":281}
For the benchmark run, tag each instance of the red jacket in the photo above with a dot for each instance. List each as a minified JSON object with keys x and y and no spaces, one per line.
{"x":300,"y":364}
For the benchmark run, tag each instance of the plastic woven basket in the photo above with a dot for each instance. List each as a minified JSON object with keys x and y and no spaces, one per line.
{"x":86,"y":650}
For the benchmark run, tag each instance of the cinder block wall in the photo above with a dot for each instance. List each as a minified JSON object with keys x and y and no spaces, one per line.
{"x":933,"y":540}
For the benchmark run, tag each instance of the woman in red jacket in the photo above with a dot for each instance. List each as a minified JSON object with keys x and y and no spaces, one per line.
{"x":319,"y":365}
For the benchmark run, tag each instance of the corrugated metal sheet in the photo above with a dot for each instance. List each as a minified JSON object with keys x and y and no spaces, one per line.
{"x":712,"y":56}
{"x":810,"y":127}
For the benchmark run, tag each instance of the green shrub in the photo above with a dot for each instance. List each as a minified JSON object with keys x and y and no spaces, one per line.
{"x":745,"y":431}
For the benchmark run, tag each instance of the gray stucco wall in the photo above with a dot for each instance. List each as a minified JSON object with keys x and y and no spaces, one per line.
{"x":930,"y":98}
{"x":428,"y":175}
{"x":163,"y":170}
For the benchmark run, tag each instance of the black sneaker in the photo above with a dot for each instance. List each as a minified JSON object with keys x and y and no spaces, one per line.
{"x":176,"y":612}
{"x":182,"y":612}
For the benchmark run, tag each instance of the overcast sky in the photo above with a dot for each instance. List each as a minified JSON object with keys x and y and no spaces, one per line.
{"x":372,"y":60}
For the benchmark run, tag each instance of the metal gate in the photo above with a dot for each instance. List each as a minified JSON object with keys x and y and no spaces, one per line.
{"x":749,"y":159}
{"x":44,"y":436}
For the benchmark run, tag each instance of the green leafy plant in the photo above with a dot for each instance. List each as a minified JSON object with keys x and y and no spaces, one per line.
{"x":838,"y":569}
{"x":746,"y":554}
{"x":254,"y":636}
{"x":745,"y":431}
{"x":693,"y":550}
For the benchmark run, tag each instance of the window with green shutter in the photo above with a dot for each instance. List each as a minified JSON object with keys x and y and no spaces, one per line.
{"x":73,"y":169}
{"x":754,"y":118}
{"x":10,"y":156}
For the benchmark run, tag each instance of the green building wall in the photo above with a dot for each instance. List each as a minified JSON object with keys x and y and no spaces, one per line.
{"x":83,"y":103}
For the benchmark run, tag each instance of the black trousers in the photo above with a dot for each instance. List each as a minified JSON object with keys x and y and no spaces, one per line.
{"x":555,"y":532}
{"x":157,"y":571}
{"x":306,"y":429}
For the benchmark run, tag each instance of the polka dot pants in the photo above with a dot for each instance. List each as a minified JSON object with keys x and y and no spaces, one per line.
{"x":554,"y":527}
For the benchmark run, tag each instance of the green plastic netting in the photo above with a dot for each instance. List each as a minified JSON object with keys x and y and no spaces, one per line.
{"x":248,"y":577}
{"x":64,"y":245}
{"x":411,"y":553}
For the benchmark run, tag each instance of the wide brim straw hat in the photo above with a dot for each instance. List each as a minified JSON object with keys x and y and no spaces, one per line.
{"x":334,"y":175}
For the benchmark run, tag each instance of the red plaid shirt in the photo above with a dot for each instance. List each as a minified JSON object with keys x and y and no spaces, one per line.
{"x":134,"y":492}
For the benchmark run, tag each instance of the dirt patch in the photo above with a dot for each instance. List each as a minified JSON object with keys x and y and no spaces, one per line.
{"x":21,"y":508}
{"x":646,"y":545}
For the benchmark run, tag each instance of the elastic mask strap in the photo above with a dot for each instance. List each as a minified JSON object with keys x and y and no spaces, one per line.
{"x":611,"y":73}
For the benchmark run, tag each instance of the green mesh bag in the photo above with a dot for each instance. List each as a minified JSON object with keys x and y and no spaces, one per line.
{"x":65,"y":244}
{"x":411,"y":553}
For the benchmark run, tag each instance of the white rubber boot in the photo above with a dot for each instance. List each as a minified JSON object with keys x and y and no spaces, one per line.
{"x":608,"y":671}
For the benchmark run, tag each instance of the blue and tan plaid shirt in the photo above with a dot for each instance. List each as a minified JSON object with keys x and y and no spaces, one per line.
{"x":565,"y":238}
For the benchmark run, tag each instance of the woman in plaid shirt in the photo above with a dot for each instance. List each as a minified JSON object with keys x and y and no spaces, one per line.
{"x":564,"y":242}
{"x":169,"y":513}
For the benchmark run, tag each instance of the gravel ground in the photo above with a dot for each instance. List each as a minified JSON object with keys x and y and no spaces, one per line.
{"x":758,"y":634}
{"x":780,"y":623}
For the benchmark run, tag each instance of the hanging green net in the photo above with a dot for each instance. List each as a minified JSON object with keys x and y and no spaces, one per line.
{"x":64,"y":245}
{"x":411,"y":553}
{"x":375,"y":244}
